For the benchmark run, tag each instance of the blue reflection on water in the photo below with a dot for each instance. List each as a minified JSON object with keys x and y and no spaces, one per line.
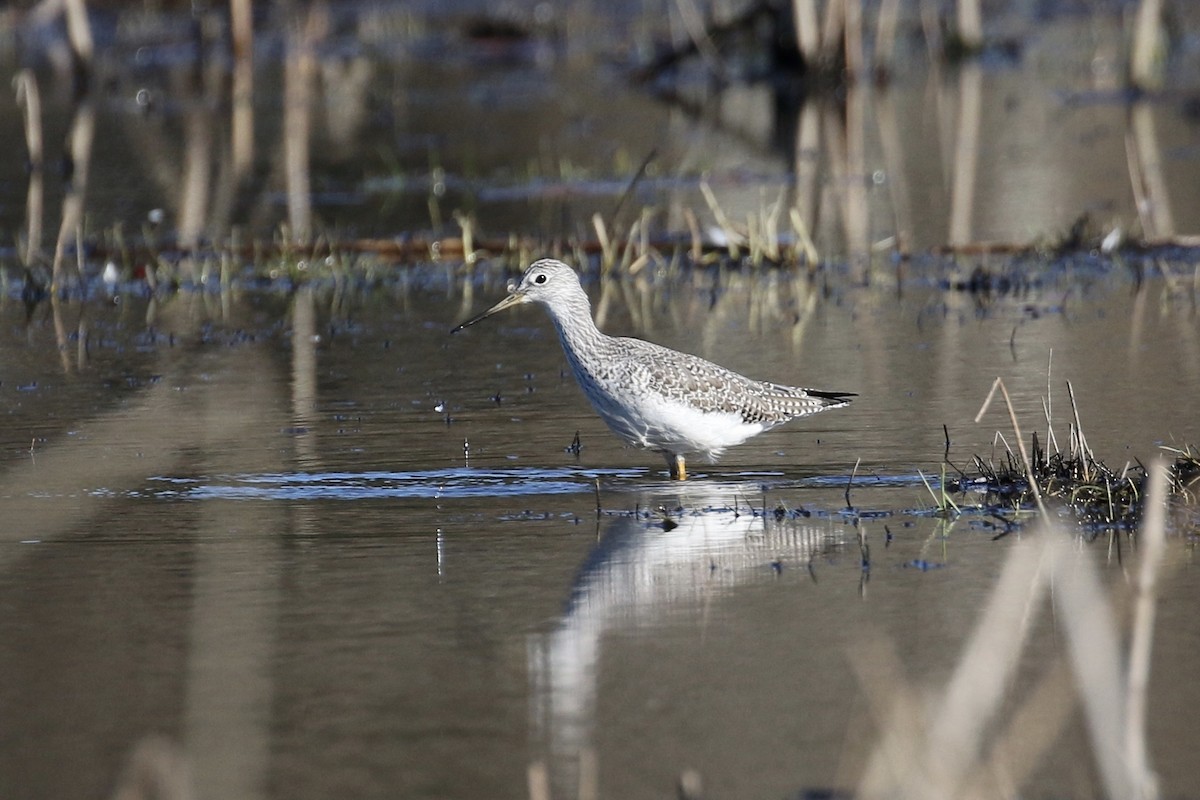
{"x":462,"y":482}
{"x":453,"y":482}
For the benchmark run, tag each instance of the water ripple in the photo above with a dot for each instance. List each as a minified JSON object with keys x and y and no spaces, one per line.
{"x":431,"y":484}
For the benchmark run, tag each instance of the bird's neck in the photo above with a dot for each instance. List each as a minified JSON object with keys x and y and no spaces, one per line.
{"x":576,"y":329}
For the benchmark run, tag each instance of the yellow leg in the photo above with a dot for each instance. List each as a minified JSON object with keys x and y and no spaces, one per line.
{"x":679,"y":469}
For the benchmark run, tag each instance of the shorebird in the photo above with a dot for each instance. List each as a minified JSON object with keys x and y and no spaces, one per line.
{"x":649,"y":395}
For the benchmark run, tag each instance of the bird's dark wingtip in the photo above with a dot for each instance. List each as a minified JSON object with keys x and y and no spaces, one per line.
{"x":833,"y":397}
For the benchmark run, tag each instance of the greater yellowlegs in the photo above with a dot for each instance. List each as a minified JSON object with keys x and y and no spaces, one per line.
{"x":652,"y":396}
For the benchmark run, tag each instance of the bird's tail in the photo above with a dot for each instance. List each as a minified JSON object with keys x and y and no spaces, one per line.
{"x":831,"y":399}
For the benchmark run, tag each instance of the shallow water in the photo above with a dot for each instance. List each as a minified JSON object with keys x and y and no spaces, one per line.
{"x":315,"y":546}
{"x":412,"y":121}
{"x":321,"y":557}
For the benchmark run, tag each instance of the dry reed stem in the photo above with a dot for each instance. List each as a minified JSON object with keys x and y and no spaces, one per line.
{"x":1154,"y":208}
{"x":1085,"y":452}
{"x":966,"y":154}
{"x":770,"y":227}
{"x":241,"y":14}
{"x":734,"y":239}
{"x":887,"y":24}
{"x":197,"y":173}
{"x":607,"y":248}
{"x":630,"y":243}
{"x":1012,"y":416}
{"x":697,"y":248}
{"x":808,"y":35}
{"x":970,"y":23}
{"x":1048,"y":403}
{"x":803,"y":239}
{"x":300,"y":72}
{"x":833,"y":29}
{"x":894,"y":159}
{"x":1147,"y":57}
{"x":466,"y":223}
{"x":853,"y":40}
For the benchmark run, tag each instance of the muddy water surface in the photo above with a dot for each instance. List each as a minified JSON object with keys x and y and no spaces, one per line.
{"x":327,"y":549}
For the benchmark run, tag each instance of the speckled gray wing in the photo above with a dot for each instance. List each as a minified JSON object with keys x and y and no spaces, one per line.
{"x":706,"y":386}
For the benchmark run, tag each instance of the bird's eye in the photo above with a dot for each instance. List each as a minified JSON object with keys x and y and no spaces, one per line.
{"x":540,"y":279}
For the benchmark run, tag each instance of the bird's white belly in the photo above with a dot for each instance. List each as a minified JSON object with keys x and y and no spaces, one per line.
{"x":658,"y":424}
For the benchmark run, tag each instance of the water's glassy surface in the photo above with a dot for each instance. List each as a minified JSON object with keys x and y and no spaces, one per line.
{"x":305,"y":541}
{"x":330,"y":549}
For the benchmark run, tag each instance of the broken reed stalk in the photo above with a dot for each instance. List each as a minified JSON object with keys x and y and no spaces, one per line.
{"x":1012,"y":416}
{"x":850,"y":482}
{"x":1085,"y":453}
{"x":770,"y":227}
{"x":733,"y":239}
{"x":630,"y":242}
{"x":466,"y":222}
{"x":697,"y":242}
{"x":1048,"y":404}
{"x":804,"y":242}
{"x":608,"y":256}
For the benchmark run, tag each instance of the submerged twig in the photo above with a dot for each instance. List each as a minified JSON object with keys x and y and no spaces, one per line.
{"x":850,"y":483}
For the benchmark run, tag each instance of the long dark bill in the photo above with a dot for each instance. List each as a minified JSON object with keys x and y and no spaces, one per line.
{"x":512,"y":300}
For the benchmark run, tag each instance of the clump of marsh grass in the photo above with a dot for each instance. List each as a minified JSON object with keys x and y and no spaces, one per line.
{"x":1071,"y":476}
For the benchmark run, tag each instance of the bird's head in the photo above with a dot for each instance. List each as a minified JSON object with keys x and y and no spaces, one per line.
{"x":546,"y":281}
